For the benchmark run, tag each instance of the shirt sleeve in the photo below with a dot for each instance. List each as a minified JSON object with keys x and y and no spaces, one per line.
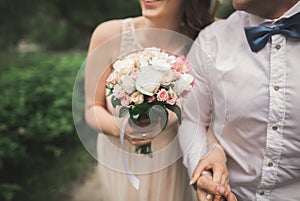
{"x":196,"y":111}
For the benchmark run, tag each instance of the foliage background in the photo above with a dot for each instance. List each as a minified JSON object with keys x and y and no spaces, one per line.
{"x":43,"y":44}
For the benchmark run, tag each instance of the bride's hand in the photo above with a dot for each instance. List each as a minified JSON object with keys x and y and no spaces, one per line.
{"x":137,"y":141}
{"x":140,"y":133}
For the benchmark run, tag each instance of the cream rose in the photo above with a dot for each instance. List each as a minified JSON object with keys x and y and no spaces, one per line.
{"x":128,"y":84}
{"x":123,"y":64}
{"x":184,"y":83}
{"x":137,"y":98}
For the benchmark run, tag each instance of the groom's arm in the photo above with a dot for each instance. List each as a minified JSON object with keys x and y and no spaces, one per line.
{"x":196,"y":113}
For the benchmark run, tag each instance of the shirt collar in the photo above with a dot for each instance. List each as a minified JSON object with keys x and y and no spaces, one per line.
{"x":256,"y":20}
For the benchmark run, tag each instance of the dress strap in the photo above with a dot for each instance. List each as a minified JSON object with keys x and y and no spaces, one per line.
{"x":129,"y":40}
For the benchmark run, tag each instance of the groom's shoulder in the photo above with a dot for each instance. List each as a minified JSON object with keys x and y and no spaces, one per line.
{"x":222,"y":33}
{"x":233,"y":23}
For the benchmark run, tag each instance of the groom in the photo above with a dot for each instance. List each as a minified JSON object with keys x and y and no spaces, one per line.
{"x":253,"y":85}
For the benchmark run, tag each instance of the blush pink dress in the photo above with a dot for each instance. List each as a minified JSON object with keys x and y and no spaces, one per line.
{"x":162,"y":178}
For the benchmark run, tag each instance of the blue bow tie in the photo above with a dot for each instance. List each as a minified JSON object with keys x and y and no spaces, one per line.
{"x":259,"y":36}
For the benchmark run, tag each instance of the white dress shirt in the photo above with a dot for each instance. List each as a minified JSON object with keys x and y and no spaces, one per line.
{"x":254,"y":101}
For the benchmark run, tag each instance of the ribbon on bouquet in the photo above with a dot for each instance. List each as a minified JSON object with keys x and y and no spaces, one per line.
{"x":132,"y":178}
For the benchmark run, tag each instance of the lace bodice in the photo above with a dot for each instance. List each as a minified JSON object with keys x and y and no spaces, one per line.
{"x":129,"y":41}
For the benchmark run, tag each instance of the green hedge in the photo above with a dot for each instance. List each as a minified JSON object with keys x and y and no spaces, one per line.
{"x":36,"y":124}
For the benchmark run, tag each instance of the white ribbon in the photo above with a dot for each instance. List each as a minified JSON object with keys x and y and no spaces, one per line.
{"x":132,"y":178}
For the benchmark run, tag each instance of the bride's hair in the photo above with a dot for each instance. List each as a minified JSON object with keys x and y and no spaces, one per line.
{"x":198,"y":14}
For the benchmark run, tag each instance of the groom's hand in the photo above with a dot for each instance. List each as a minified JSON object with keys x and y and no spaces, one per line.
{"x":207,"y":189}
{"x":214,"y":161}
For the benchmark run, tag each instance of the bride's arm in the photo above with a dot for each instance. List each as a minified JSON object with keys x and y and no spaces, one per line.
{"x":103,"y":49}
{"x":96,"y":72}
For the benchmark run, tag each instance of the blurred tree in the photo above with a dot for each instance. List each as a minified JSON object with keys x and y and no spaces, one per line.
{"x":57,"y":24}
{"x":225,"y":9}
{"x":60,"y":25}
{"x":13,"y":17}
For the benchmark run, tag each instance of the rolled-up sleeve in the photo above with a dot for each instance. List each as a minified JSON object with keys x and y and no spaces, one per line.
{"x":196,"y":112}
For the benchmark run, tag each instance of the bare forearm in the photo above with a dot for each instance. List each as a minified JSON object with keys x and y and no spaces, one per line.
{"x":100,"y":119}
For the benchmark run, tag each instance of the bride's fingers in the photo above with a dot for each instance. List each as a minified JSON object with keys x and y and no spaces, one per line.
{"x":202,"y":165}
{"x":139,"y":142}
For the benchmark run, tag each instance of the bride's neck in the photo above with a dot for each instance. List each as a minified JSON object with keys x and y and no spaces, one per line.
{"x":173,"y":25}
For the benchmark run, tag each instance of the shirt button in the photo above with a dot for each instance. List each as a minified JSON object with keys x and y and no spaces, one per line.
{"x":278,"y":47}
{"x":274,"y":128}
{"x":270,"y":164}
{"x":276,"y":88}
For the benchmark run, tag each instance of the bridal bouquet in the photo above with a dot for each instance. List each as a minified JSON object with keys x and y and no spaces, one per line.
{"x":146,"y":84}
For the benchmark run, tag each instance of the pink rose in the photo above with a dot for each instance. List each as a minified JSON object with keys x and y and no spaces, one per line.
{"x":112,"y":79}
{"x":162,"y":95}
{"x":181,"y":65}
{"x":172,"y":98}
{"x":172,"y":101}
{"x":126,"y":100}
{"x":137,"y":98}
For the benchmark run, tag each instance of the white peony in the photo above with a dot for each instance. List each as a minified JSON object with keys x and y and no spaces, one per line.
{"x":148,"y":80}
{"x":160,"y":64}
{"x":184,"y":83}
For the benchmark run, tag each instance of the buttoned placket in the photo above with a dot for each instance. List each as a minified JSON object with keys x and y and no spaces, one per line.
{"x":277,"y":104}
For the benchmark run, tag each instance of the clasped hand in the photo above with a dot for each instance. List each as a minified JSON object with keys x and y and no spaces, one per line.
{"x":213,"y":186}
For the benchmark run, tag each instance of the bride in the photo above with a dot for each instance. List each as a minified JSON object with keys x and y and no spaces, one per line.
{"x":163,"y":177}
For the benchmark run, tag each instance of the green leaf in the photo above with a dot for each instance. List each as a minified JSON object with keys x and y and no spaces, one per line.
{"x":123,"y":111}
{"x":142,"y":108}
{"x":139,"y":109}
{"x":109,"y":93}
{"x":135,"y":116}
{"x":115,"y":102}
{"x":176,"y":109}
